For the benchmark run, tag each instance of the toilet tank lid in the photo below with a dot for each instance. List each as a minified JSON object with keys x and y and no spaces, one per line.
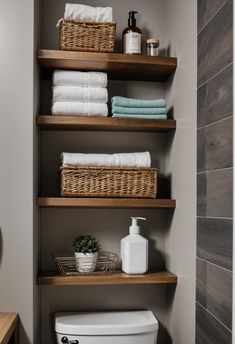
{"x":105,"y":323}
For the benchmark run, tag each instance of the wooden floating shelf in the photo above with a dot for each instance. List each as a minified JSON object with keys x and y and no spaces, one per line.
{"x":117,"y":278}
{"x":60,"y":202}
{"x":104,"y":124}
{"x":8,"y":327}
{"x":118,"y":66}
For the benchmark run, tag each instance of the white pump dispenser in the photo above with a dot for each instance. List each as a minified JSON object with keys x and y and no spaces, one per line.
{"x":134,"y":250}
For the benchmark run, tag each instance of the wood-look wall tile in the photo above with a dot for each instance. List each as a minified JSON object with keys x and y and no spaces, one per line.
{"x":201,"y":106}
{"x":219,"y":145}
{"x":219,"y":294}
{"x":201,"y":150}
{"x":219,"y":193}
{"x":214,"y":189}
{"x":201,"y":194}
{"x":219,"y":103}
{"x":212,"y":6}
{"x":201,"y":14}
{"x":206,"y":10}
{"x":201,"y":282}
{"x":214,"y":241}
{"x":215,"y":44}
{"x":209,"y":330}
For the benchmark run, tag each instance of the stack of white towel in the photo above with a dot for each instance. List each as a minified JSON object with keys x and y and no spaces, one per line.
{"x":88,"y":13}
{"x":79,"y":93}
{"x":141,"y":159}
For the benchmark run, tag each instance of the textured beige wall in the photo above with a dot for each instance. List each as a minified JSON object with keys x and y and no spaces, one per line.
{"x":16,"y":155}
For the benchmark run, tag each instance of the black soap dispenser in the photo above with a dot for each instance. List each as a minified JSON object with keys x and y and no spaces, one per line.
{"x":131,"y":36}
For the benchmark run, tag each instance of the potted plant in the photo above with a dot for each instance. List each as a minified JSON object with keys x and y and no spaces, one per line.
{"x":86,"y":248}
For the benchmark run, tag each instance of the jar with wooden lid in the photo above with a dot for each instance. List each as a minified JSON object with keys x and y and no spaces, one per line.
{"x":152,"y":47}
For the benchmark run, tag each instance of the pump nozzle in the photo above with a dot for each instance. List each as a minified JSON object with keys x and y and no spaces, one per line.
{"x":134,"y":228}
{"x":132,"y":20}
{"x":135,"y":219}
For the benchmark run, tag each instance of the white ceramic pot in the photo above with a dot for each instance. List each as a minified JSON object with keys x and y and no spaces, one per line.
{"x":86,"y":262}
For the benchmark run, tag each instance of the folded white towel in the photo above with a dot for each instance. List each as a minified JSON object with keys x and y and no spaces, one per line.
{"x":81,"y":94}
{"x":74,"y":78}
{"x":141,"y":159}
{"x":88,"y":13}
{"x":79,"y":109}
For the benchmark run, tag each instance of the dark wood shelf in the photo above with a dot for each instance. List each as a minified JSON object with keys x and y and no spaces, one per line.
{"x":60,"y":202}
{"x":118,"y":66}
{"x":104,"y":124}
{"x":117,"y":278}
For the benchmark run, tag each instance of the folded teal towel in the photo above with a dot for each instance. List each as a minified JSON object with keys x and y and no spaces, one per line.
{"x":139,"y":111}
{"x":118,"y":115}
{"x":138,"y":103}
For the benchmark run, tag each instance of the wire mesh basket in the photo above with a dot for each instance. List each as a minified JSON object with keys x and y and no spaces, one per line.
{"x":106,"y":264}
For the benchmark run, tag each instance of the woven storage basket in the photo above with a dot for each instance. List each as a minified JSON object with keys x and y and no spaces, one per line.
{"x":87,"y":36}
{"x":81,"y":181}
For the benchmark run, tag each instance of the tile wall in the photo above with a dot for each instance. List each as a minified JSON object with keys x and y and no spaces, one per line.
{"x":214,"y":172}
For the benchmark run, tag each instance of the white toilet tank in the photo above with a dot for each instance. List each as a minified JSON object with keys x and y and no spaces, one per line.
{"x":134,"y":327}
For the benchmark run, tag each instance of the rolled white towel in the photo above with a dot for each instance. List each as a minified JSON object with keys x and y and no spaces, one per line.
{"x":79,"y":109}
{"x":75,"y":78}
{"x":88,"y":13}
{"x":81,"y":94}
{"x":141,"y":159}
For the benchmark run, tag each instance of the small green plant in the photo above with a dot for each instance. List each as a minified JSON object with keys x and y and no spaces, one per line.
{"x":86,"y":244}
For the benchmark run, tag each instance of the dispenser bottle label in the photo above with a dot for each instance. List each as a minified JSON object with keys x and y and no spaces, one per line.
{"x":132,"y":43}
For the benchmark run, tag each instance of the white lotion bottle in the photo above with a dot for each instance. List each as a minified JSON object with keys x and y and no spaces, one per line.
{"x":134,"y":250}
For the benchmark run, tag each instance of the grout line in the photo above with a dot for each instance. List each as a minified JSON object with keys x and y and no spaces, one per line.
{"x":216,"y":265}
{"x":215,"y":217}
{"x":220,"y":120}
{"x":212,"y":17}
{"x":216,"y":74}
{"x":214,"y":317}
{"x":233,"y":189}
{"x":219,"y":169}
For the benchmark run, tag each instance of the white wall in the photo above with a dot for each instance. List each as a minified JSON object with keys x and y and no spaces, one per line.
{"x":181,"y":32}
{"x":109,"y":225}
{"x":16,"y":156}
{"x":173,"y":236}
{"x":174,"y":23}
{"x":36,"y":171}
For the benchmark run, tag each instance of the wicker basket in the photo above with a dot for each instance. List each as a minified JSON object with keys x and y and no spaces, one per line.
{"x":87,"y":36}
{"x":82,"y":181}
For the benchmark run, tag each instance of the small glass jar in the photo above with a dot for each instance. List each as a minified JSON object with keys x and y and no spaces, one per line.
{"x":152,"y":46}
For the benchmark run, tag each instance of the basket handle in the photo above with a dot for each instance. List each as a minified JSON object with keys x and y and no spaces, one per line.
{"x":59,"y":22}
{"x":86,"y":24}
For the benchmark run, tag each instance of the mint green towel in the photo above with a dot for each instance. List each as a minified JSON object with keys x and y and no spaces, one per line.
{"x":138,"y":103}
{"x":139,"y":111}
{"x":118,"y":115}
